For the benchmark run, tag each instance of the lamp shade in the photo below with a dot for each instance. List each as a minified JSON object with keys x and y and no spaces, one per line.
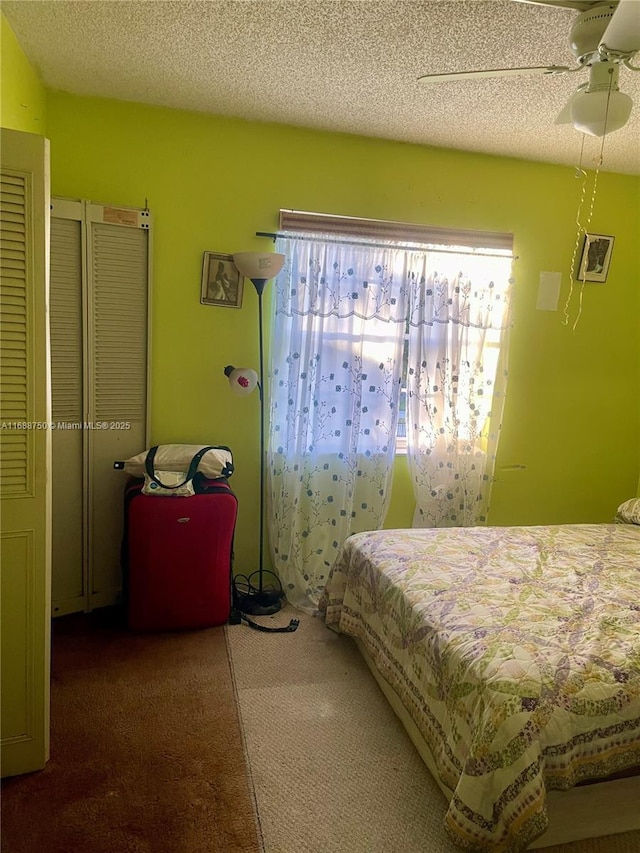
{"x":601,"y":112}
{"x":258,"y":265}
{"x":242,"y":380}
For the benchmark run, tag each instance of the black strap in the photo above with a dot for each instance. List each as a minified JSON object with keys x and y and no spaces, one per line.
{"x":193,"y":466}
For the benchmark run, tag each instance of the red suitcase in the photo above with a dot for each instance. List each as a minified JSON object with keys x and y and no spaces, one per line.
{"x":177,"y":557}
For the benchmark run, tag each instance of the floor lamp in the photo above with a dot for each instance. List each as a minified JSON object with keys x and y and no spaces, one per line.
{"x":265,"y":597}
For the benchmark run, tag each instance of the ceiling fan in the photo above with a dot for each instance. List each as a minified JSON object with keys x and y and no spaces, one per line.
{"x":604,"y":36}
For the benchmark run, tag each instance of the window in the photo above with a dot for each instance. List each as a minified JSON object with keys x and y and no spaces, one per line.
{"x":325,"y":229}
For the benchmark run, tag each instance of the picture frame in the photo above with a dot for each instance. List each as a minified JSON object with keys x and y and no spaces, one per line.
{"x":222,"y":284}
{"x":596,"y":257}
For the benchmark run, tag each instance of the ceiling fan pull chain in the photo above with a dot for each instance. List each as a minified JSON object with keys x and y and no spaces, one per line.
{"x":585,"y":229}
{"x":580,"y":173}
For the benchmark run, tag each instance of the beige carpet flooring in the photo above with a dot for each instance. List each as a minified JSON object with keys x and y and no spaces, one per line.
{"x":332,"y":767}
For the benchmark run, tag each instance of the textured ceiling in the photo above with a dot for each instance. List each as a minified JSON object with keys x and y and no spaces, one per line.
{"x":333,"y":65}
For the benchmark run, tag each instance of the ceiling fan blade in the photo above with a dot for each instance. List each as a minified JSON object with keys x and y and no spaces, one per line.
{"x":623,"y":32}
{"x":564,"y":116}
{"x":491,"y":72}
{"x":579,"y":5}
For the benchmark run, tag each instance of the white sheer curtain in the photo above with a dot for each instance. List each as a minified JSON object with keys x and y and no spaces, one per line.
{"x":459,"y":321}
{"x":335,"y":378}
{"x":342,"y":315}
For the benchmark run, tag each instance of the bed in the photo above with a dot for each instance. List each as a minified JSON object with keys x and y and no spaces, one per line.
{"x":512,"y":656}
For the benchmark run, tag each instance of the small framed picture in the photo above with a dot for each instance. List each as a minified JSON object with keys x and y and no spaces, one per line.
{"x":221,"y":281}
{"x":596,"y":257}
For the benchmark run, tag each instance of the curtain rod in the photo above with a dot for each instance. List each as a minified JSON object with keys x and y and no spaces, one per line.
{"x":274,"y":235}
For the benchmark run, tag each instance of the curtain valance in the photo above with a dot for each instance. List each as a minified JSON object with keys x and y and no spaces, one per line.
{"x":399,"y":232}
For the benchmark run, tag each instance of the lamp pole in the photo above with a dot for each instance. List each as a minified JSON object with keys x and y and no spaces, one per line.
{"x":259,"y":284}
{"x":259,"y":268}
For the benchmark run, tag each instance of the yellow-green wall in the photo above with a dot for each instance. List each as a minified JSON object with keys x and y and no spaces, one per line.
{"x":22,"y":95}
{"x":572,"y":417}
{"x":573,"y":410}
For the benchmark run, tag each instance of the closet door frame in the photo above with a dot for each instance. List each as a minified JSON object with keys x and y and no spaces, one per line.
{"x":129,"y":218}
{"x":70,"y":209}
{"x":88,"y":214}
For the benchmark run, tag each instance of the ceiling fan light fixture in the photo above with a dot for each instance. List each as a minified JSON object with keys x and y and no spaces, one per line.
{"x":600,"y":113}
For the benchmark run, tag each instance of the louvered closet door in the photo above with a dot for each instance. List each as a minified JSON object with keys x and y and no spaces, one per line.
{"x":14,"y":408}
{"x":24,"y":452}
{"x":69,"y":569}
{"x":118,"y":271}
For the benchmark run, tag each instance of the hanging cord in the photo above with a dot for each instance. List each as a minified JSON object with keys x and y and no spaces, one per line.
{"x":580,"y":172}
{"x":584,"y":229}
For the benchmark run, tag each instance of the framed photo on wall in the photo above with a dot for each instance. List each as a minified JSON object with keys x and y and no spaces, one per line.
{"x":222,"y":283}
{"x":596,"y":257}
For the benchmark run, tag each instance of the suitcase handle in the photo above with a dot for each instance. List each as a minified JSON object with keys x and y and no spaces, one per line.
{"x":193,"y":466}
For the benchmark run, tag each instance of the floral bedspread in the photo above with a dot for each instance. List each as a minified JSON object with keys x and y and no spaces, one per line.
{"x":515,"y":650}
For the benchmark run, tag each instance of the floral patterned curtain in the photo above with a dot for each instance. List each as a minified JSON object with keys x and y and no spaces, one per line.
{"x":336,"y":371}
{"x":459,"y":321}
